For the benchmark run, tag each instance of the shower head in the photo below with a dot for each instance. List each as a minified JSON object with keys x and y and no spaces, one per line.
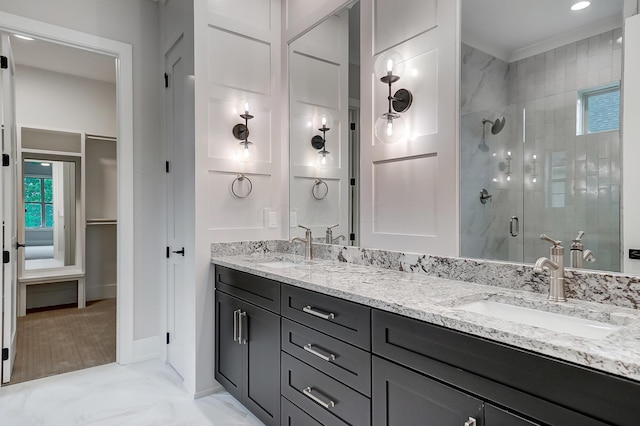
{"x":497,"y":125}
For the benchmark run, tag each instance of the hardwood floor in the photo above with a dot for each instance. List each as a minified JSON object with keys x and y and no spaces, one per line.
{"x":57,"y":341}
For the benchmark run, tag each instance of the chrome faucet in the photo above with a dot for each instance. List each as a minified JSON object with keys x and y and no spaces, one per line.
{"x":556,"y":268}
{"x":329,"y":235}
{"x":308,"y":248}
{"x":579,"y":254}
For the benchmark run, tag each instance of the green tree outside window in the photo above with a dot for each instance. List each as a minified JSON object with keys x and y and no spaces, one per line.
{"x":38,"y":199}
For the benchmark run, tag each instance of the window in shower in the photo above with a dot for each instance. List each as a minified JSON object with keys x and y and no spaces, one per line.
{"x":598,"y":109}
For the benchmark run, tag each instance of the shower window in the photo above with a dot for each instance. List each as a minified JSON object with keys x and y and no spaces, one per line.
{"x":38,"y":202}
{"x":599,"y":109}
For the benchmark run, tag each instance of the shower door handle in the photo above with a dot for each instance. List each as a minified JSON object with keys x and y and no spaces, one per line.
{"x":514,"y":226}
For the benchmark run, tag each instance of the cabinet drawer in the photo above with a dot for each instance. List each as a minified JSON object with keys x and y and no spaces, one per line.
{"x":324,"y":398}
{"x":344,"y":320}
{"x":293,"y":416}
{"x":346,"y":363}
{"x":257,"y":290}
{"x":521,"y":380}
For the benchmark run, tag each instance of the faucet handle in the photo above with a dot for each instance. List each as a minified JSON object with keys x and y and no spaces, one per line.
{"x":331,"y":227}
{"x":579,"y":237}
{"x":552,"y":241}
{"x":304,"y":227}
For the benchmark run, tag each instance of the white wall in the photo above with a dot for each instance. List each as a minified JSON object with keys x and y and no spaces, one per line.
{"x":52,"y":100}
{"x":134,"y":22}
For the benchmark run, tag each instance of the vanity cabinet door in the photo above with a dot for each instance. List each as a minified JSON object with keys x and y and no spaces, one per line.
{"x":404,"y":397}
{"x":229,"y":353}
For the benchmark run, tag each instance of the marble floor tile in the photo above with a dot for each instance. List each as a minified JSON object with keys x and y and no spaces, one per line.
{"x":147,"y":393}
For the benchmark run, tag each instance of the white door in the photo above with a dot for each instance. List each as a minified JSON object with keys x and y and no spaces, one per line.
{"x":175,"y":118}
{"x":8,"y":197}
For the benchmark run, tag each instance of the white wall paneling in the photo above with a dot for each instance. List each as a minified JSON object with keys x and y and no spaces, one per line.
{"x":255,"y":13}
{"x":318,"y":214}
{"x":409,"y":189}
{"x":301,"y":15}
{"x":631,"y":148}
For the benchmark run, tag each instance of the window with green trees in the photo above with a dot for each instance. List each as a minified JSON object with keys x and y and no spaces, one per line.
{"x":38,"y":202}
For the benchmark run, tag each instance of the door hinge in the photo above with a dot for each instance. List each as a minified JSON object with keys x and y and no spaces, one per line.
{"x":168,"y":252}
{"x":5,"y":354}
{"x":168,"y":338}
{"x":166,"y":166}
{"x":352,"y":237}
{"x":353,"y":181}
{"x":4,"y":62}
{"x":166,"y":80}
{"x":353,"y":126}
{"x":6,"y":257}
{"x":6,"y":160}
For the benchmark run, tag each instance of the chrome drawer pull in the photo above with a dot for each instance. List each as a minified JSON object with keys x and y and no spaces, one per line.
{"x":241,"y":338}
{"x":307,"y":391}
{"x":308,"y":309}
{"x":235,"y":325}
{"x":470,"y":422}
{"x":309,"y":348}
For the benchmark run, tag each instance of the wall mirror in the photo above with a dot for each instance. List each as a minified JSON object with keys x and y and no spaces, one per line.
{"x":49,"y":201}
{"x":324,"y":105}
{"x":540,"y":129}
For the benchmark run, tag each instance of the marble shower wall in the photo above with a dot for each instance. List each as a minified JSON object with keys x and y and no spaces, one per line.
{"x":577,"y":177}
{"x":609,"y":288}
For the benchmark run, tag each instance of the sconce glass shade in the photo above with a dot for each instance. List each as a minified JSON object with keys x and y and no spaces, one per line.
{"x":323,"y":159}
{"x":319,"y":119}
{"x":390,"y":128}
{"x":245,"y":152}
{"x":389,"y":61}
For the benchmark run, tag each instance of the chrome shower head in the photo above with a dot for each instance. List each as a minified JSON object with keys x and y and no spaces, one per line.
{"x":496,"y":126}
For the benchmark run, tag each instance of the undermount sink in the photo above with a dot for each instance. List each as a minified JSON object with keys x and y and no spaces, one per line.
{"x":282,"y":264}
{"x":562,"y":323}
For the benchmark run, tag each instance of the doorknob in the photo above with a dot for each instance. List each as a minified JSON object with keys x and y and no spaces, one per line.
{"x":181,"y":251}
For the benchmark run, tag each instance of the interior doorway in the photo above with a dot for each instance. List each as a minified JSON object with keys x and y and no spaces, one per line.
{"x":121,"y":139}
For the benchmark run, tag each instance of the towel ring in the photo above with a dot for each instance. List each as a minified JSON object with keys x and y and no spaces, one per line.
{"x":316,"y":189}
{"x":240,"y":178}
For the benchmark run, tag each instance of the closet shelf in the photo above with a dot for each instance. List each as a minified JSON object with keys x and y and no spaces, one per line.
{"x":102,"y":221}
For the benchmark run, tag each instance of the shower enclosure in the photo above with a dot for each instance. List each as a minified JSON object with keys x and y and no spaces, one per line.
{"x":554,"y":167}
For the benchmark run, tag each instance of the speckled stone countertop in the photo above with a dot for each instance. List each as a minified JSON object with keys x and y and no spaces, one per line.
{"x":436,"y":300}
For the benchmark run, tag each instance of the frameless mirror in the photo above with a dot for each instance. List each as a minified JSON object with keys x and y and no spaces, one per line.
{"x":324,"y":86}
{"x":50,"y":203}
{"x":540,"y":141}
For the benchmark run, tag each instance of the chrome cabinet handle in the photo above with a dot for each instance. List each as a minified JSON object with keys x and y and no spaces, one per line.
{"x":241,"y":338}
{"x":308,"y":393}
{"x":308,"y":309}
{"x":470,"y":422}
{"x":309,"y":348}
{"x":236,"y":337}
{"x":514,"y":219}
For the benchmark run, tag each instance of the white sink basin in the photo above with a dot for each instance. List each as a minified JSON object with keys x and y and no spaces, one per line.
{"x":549,"y":320}
{"x":279,"y":264}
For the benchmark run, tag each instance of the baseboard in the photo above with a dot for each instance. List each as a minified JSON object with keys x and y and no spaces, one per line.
{"x":105,"y":291}
{"x":214,"y":389}
{"x":146,"y":349}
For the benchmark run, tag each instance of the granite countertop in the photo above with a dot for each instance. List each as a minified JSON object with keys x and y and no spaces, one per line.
{"x":436,"y":301}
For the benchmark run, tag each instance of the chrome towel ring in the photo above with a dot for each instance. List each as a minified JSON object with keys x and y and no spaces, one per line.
{"x":320,"y":189}
{"x":237,"y":180}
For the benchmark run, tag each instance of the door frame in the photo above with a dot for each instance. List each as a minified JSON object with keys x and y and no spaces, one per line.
{"x":122,"y":53}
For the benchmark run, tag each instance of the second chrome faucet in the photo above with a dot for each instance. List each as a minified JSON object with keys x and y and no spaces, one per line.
{"x":556,"y":267}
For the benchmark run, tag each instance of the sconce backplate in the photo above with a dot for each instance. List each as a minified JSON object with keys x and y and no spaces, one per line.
{"x":240,"y":131}
{"x":317,"y":142}
{"x":402,"y":100}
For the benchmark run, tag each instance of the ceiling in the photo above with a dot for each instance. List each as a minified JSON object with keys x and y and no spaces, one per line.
{"x":64,"y":59}
{"x":512,"y":29}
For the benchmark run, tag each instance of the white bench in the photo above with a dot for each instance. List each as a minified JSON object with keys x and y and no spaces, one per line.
{"x":24,"y":282}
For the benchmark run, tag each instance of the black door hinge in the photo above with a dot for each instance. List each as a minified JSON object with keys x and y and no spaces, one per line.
{"x":166,"y":166}
{"x":353,"y":126}
{"x":4,"y":62}
{"x":5,"y":354}
{"x":168,"y":252}
{"x":6,"y":257}
{"x":166,"y":80}
{"x":6,"y":160}
{"x":168,"y":339}
{"x":352,"y":237}
{"x":353,"y":182}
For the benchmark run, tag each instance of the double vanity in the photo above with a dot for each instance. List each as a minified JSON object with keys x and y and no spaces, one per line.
{"x":325,"y":342}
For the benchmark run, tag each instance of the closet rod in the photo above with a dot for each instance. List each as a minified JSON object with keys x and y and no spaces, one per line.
{"x":101,"y":138}
{"x":102,"y":222}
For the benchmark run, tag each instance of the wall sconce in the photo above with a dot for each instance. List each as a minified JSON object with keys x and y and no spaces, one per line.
{"x":534,"y":176}
{"x":508,"y":173}
{"x":389,"y":127}
{"x":241,"y":132}
{"x":320,"y":142}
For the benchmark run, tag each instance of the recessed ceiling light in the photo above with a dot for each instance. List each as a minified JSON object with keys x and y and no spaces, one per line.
{"x":23,"y":37}
{"x":580,"y":5}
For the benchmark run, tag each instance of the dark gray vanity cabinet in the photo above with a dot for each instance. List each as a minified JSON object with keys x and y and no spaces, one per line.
{"x":247,"y":359}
